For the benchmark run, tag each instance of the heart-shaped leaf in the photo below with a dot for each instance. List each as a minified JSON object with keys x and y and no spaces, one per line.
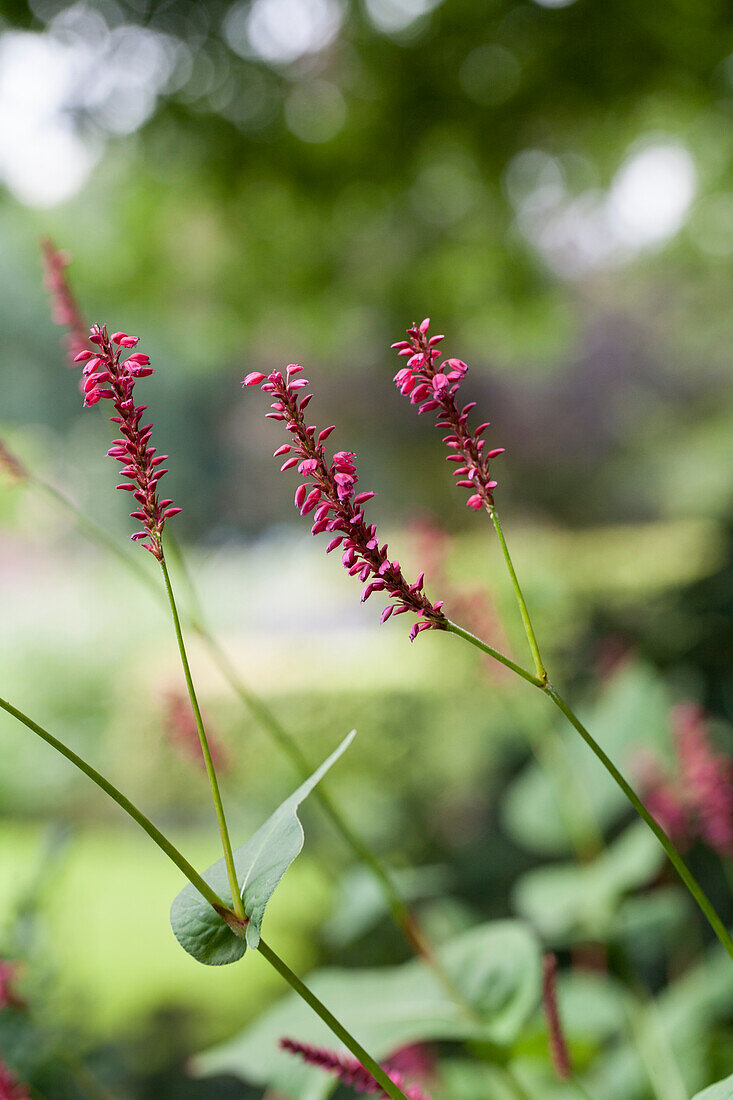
{"x":497,"y":966}
{"x":260,"y":865}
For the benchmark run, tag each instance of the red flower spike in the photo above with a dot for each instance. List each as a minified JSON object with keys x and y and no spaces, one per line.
{"x":559,"y":1053}
{"x":140,"y":466}
{"x":328,"y":490}
{"x":65,"y":310}
{"x":349,"y":1071}
{"x":433,"y":386}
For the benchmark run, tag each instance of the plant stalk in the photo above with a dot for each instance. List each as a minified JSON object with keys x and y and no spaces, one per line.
{"x":210,"y":770}
{"x":528,"y":628}
{"x":330,"y":1020}
{"x":117,"y":796}
{"x":400,"y":911}
{"x":209,"y":895}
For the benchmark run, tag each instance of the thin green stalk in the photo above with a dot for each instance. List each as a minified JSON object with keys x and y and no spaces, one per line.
{"x":209,"y":895}
{"x":675,"y":858}
{"x":210,"y":770}
{"x":528,"y":628}
{"x":544,"y":685}
{"x":117,"y":796}
{"x":454,"y":628}
{"x":330,"y":1020}
{"x":401,"y":913}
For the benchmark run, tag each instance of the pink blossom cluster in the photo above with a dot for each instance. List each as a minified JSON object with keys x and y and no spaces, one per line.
{"x":10,"y":1087}
{"x":180,"y":725}
{"x":433,"y":386}
{"x":558,"y":1047}
{"x":349,"y":1071}
{"x":65,"y":310}
{"x":328,"y":491}
{"x":108,"y":375}
{"x":696,"y":800}
{"x":9,"y":997}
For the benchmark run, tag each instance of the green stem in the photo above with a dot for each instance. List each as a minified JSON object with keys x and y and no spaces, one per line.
{"x":209,"y":895}
{"x":675,"y":858}
{"x":454,"y":628}
{"x":542,"y":682}
{"x":117,"y":796}
{"x":528,"y":628}
{"x":402,"y":915}
{"x":210,"y":770}
{"x":331,"y":1022}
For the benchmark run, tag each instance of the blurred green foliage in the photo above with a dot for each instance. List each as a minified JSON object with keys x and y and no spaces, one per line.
{"x":554,"y":183}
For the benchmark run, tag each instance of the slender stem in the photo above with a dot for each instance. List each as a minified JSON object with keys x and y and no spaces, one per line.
{"x":330,"y":1020}
{"x":401,"y":913}
{"x":129,"y":807}
{"x":675,"y":858}
{"x":528,"y":628}
{"x":205,"y":890}
{"x":454,"y":628}
{"x":210,"y":770}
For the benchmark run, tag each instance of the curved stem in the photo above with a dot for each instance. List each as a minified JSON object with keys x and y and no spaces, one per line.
{"x":330,"y":1020}
{"x":674,"y":856}
{"x":403,"y":916}
{"x":454,"y":628}
{"x":206,"y":892}
{"x":210,"y":770}
{"x":117,"y":796}
{"x":528,"y":628}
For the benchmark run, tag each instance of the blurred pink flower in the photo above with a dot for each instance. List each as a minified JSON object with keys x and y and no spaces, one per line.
{"x":349,"y":1071}
{"x":696,"y":800}
{"x":180,"y":726}
{"x":65,"y":310}
{"x":10,"y":1087}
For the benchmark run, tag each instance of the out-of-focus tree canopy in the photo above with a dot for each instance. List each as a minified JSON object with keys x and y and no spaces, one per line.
{"x":279,"y":179}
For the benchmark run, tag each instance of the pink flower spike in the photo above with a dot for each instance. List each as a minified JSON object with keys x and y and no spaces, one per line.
{"x":142,"y":470}
{"x":253,"y":379}
{"x":436,"y":386}
{"x":330,"y":490}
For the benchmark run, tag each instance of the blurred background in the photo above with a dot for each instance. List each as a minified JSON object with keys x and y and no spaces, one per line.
{"x":253,"y":183}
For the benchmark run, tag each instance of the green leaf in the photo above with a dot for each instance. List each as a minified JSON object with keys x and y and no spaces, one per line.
{"x":723,"y":1090}
{"x":497,"y":966}
{"x":567,"y":900}
{"x":632,"y":713}
{"x":260,"y":865}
